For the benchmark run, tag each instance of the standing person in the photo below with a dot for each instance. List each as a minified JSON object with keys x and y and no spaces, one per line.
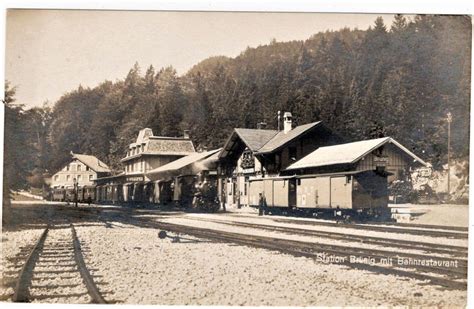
{"x":338,"y":214}
{"x":261,"y":202}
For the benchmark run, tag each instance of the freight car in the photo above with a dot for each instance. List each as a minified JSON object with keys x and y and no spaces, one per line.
{"x":359,"y":194}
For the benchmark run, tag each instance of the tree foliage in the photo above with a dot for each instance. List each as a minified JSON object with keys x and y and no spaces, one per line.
{"x":397,"y":80}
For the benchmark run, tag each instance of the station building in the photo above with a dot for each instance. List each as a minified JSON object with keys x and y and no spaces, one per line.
{"x":255,"y":154}
{"x":148,"y":152}
{"x":250,"y":153}
{"x":83,"y":169}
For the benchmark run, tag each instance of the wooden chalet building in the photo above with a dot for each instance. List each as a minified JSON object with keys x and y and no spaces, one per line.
{"x":381,"y":155}
{"x":261,"y":153}
{"x":311,"y":149}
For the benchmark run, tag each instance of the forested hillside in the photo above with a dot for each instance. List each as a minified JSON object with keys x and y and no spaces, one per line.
{"x":398,"y":80}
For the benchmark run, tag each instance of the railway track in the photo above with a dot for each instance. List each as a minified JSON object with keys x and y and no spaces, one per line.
{"x":365,"y":259}
{"x":453,"y":251}
{"x":427,"y":230}
{"x":54,"y":270}
{"x":445,"y":276}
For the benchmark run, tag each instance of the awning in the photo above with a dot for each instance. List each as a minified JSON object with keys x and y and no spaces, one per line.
{"x":191,"y":164}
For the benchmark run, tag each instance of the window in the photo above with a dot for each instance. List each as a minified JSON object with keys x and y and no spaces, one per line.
{"x":87,"y":168}
{"x":68,"y":177}
{"x":79,"y":167}
{"x":90,"y":177}
{"x":67,"y":167}
{"x":292,"y":153}
{"x":79,"y":177}
{"x":56,"y":177}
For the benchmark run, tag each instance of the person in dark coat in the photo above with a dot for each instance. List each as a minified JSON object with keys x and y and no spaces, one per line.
{"x":261,"y":204}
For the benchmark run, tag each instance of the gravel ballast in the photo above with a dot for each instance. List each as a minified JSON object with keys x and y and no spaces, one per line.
{"x":143,"y":269}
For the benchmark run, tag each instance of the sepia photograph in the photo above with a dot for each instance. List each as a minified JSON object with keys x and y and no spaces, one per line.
{"x":231,"y":158}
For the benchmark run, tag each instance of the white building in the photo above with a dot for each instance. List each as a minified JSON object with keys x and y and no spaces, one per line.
{"x":81,"y":168}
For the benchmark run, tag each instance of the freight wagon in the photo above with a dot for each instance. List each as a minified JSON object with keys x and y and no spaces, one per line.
{"x":357,"y":193}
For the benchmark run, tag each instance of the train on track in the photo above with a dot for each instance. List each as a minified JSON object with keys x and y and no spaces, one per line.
{"x":354,"y":194}
{"x":185,"y":192}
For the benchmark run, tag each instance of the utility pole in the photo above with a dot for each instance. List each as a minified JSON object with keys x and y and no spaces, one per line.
{"x":278,"y":121}
{"x":76,"y":185}
{"x":449,"y":119}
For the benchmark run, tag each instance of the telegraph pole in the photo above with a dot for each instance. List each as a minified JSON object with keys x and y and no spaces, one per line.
{"x":449,"y":119}
{"x":278,"y":119}
{"x":76,"y":185}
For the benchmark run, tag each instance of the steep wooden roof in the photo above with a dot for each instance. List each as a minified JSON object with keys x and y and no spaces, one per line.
{"x":282,"y":138}
{"x":92,"y":162}
{"x":347,"y":153}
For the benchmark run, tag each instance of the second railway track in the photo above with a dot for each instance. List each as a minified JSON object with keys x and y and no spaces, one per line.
{"x":422,"y":230}
{"x":455,"y":251}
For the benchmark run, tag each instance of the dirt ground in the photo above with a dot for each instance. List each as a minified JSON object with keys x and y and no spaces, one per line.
{"x":133,"y":266}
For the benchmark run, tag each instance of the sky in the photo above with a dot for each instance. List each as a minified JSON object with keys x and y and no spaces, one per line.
{"x":51,"y":52}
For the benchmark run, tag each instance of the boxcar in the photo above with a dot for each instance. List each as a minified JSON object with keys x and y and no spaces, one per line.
{"x":349,"y":191}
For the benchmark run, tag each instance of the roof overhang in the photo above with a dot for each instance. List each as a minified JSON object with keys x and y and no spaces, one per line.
{"x":231,"y":144}
{"x":400,"y":146}
{"x":384,"y":141}
{"x":191,"y":165}
{"x":317,"y":124}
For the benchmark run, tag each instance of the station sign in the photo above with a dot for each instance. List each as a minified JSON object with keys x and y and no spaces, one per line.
{"x":134,"y":178}
{"x":380,"y":161}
